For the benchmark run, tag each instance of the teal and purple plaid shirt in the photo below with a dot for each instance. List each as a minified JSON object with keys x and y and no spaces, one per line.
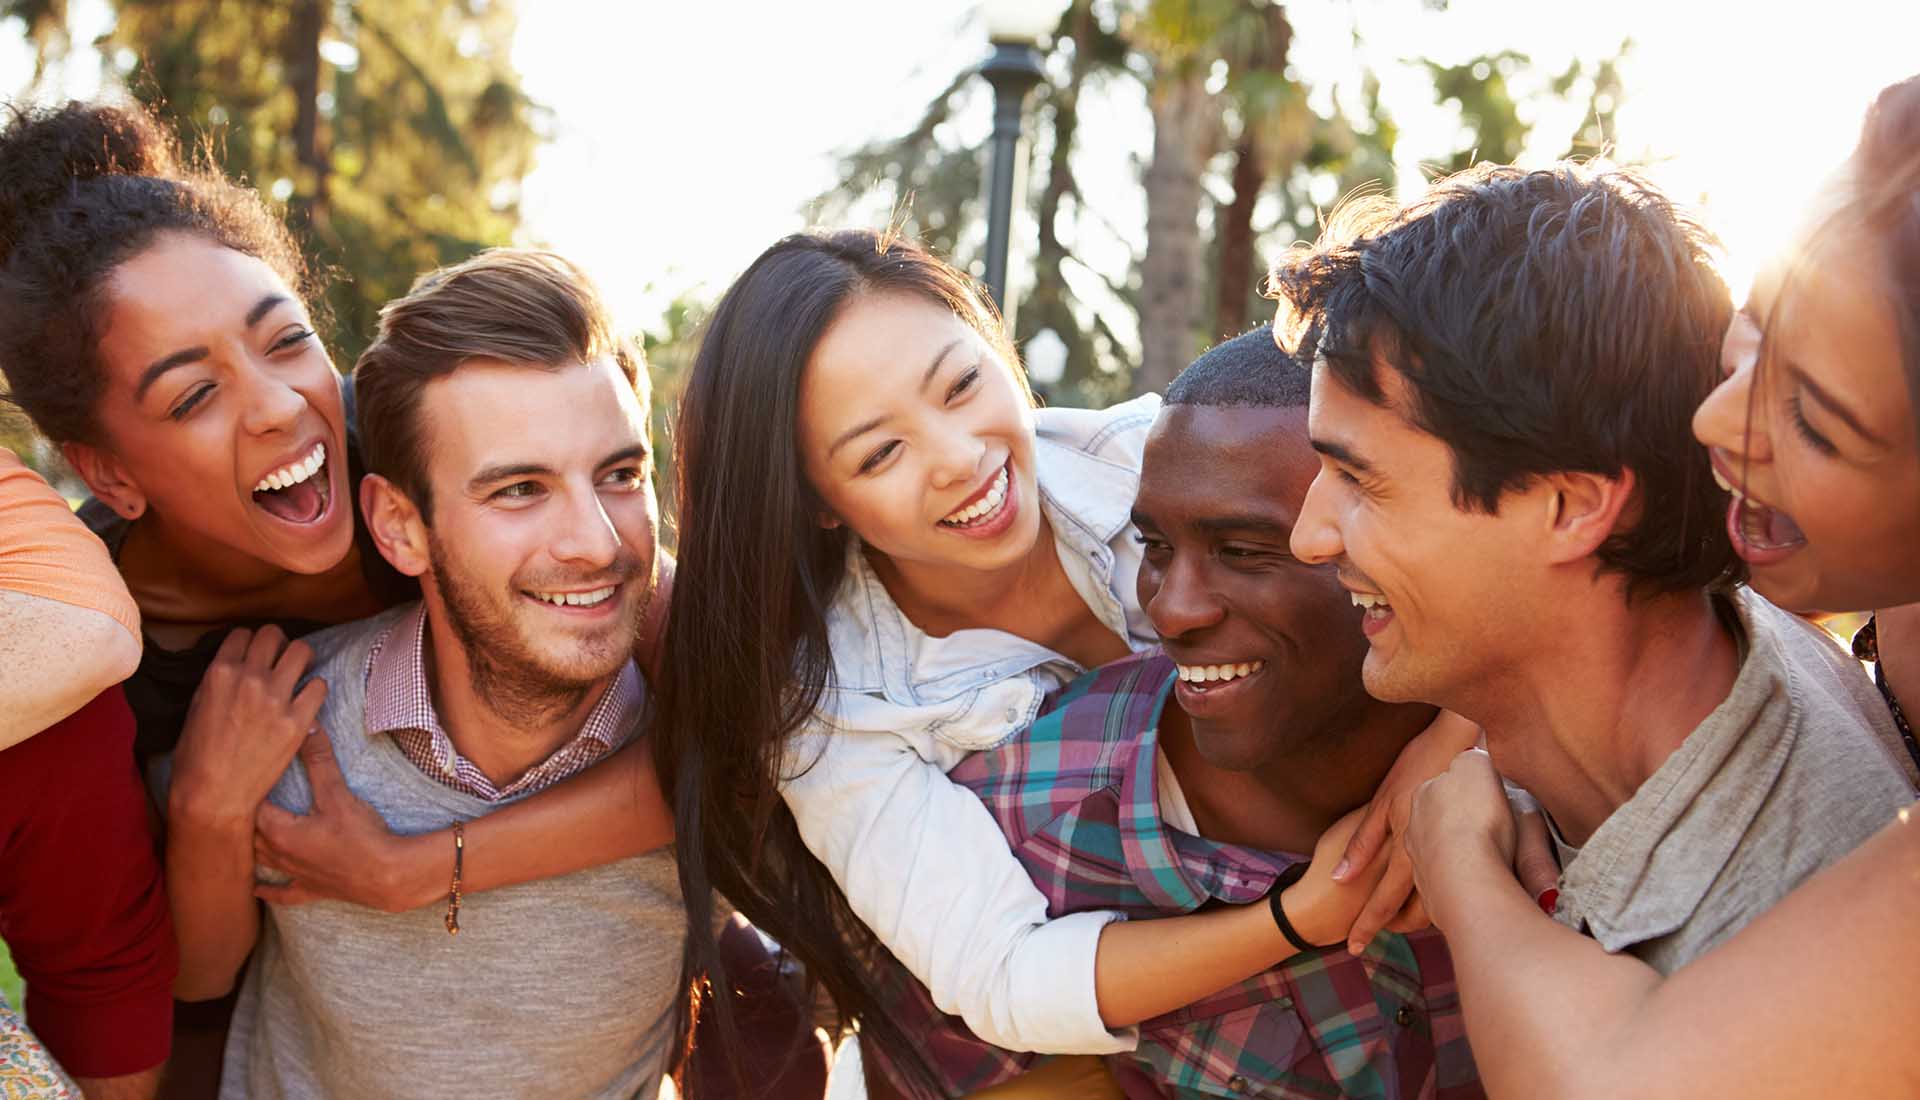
{"x":1077,"y":797}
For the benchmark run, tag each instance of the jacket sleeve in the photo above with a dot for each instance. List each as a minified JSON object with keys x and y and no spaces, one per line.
{"x":923,"y":863}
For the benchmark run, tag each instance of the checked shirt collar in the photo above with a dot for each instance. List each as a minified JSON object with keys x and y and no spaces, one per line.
{"x":400,"y":703}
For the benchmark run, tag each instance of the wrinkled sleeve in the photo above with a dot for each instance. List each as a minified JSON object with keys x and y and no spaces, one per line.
{"x":924,"y":865}
{"x":46,"y":551}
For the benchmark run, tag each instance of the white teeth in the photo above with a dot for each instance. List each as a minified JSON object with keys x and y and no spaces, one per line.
{"x":1368,"y":601}
{"x":1727,"y":485}
{"x":986,"y":505}
{"x":1209,"y":674}
{"x":576,"y":599}
{"x":295,"y":473}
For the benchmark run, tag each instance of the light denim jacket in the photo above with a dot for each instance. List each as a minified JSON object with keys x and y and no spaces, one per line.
{"x":920,"y":858}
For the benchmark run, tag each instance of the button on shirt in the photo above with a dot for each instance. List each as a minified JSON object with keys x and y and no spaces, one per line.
{"x":1078,"y":797}
{"x":918,"y":858}
{"x":400,"y":703}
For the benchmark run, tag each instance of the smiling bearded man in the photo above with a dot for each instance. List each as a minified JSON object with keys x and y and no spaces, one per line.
{"x":505,"y":429}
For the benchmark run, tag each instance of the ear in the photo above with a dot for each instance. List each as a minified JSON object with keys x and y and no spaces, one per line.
{"x":395,"y":524}
{"x":827,"y":520}
{"x":111,"y":482}
{"x":1583,"y":510}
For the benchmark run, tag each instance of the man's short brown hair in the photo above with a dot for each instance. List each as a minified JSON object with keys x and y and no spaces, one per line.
{"x":528,"y":308}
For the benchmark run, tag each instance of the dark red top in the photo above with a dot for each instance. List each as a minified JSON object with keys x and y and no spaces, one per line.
{"x":82,"y":907}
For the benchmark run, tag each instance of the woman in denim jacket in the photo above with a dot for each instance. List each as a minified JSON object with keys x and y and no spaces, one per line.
{"x":888,"y":558}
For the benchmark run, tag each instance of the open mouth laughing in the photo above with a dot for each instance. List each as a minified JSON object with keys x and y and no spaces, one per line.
{"x":1207,"y":690}
{"x":298,"y":492}
{"x":988,"y":509}
{"x":1375,"y":611}
{"x":1761,"y":533}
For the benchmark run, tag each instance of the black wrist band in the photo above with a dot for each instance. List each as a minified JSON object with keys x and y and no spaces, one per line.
{"x":1287,"y":878}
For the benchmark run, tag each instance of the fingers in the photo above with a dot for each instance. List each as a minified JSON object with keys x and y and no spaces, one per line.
{"x":1365,"y":842}
{"x":323,"y":771}
{"x":233,"y":648}
{"x":1533,"y":859}
{"x":1389,"y":896}
{"x":289,"y":667}
{"x":305,"y":709}
{"x":265,"y":648}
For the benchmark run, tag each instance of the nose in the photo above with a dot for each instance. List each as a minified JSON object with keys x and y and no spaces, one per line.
{"x":956,"y":458}
{"x":271,"y":404}
{"x":1727,"y":419}
{"x":1316,"y":534}
{"x":585,"y":535}
{"x":1183,"y":603}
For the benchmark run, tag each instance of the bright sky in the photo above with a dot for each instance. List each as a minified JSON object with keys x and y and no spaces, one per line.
{"x":690,"y":136}
{"x":724,"y":117}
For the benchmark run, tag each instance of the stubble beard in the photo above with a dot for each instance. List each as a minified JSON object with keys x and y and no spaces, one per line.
{"x":510,"y":677}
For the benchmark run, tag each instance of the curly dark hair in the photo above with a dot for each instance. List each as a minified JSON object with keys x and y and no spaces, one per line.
{"x":1562,"y":319}
{"x":83,"y":189}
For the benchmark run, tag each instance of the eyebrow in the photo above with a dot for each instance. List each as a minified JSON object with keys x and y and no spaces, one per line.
{"x":1238,"y":521}
{"x":1833,"y":405}
{"x":262,"y":307}
{"x":866,"y":426}
{"x":161,"y":366}
{"x":503,"y":471}
{"x":508,"y":470}
{"x":1243,"y":521}
{"x":933,"y":368}
{"x":198,"y":352}
{"x":1339,"y":452}
{"x":638,"y":452}
{"x":850,"y":434}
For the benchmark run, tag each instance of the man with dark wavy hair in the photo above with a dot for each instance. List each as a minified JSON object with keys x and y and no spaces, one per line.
{"x":1503,"y":379}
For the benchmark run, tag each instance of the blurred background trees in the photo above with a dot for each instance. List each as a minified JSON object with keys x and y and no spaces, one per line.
{"x":1243,"y":157}
{"x":395,"y":134}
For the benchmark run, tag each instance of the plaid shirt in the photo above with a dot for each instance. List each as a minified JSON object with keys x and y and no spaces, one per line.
{"x":1077,"y":797}
{"x":400,"y":703}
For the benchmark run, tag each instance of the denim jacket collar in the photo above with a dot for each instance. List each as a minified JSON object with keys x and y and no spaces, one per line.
{"x":1088,"y":503}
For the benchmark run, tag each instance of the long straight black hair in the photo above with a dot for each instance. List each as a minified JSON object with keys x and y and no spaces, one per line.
{"x":747,"y":632}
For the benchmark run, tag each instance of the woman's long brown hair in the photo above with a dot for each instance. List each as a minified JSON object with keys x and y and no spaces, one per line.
{"x":747,"y":659}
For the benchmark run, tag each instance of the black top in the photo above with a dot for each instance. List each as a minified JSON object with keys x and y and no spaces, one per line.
{"x":162,"y":688}
{"x":1866,"y":647}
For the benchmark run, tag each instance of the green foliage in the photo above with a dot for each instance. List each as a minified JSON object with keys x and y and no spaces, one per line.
{"x":1488,"y":109}
{"x":670,"y":347}
{"x":395,"y":133}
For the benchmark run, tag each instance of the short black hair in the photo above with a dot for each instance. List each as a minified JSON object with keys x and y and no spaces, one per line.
{"x":1563,"y":319}
{"x":1251,"y":371}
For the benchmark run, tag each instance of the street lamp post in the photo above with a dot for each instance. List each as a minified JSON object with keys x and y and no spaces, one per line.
{"x":1013,"y":69}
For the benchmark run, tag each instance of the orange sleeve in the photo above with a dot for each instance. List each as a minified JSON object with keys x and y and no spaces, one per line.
{"x":46,"y":551}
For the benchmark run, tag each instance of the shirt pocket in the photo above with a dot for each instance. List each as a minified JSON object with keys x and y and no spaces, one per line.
{"x":1240,"y":1050}
{"x":988,"y":717}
